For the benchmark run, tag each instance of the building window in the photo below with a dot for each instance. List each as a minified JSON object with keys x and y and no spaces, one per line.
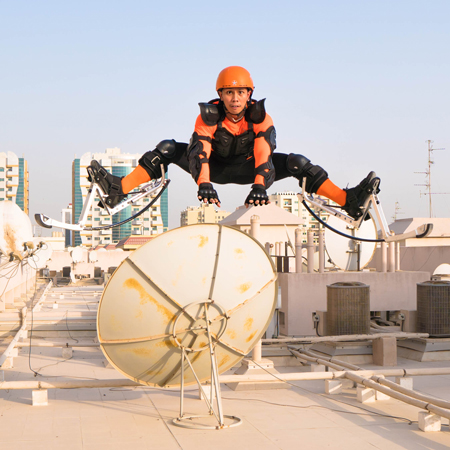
{"x":97,"y":219}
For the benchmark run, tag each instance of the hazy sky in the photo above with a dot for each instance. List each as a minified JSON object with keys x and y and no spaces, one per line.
{"x":353,"y":85}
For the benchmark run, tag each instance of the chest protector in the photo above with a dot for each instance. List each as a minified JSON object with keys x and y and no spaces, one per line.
{"x":225,"y":144}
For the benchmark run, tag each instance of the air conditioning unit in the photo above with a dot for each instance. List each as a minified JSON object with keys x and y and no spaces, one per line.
{"x":348,"y":308}
{"x":433,"y":308}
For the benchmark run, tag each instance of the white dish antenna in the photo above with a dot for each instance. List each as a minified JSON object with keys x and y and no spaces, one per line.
{"x":15,"y":229}
{"x":181,"y":292}
{"x":93,"y":258}
{"x":346,"y":253}
{"x":442,"y":269}
{"x":77,"y":255}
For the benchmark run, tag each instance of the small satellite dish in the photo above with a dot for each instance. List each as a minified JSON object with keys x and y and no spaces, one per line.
{"x":346,"y":253}
{"x":77,"y":255}
{"x":41,"y":254}
{"x":443,"y":270}
{"x":93,"y":256}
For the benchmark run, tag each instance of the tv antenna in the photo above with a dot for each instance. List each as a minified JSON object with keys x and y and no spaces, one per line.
{"x":397,"y":211}
{"x":428,"y":176}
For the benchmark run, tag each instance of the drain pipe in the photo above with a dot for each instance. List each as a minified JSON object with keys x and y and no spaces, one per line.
{"x":298,"y":251}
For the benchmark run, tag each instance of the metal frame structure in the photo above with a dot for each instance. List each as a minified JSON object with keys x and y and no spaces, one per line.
{"x":159,"y":185}
{"x":372,"y":203}
{"x":202,"y":326}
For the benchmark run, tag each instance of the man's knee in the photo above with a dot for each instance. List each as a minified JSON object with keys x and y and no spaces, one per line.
{"x":163,"y":153}
{"x":300,"y":167}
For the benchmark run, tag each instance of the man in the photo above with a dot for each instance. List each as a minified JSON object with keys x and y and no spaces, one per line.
{"x":233,"y":142}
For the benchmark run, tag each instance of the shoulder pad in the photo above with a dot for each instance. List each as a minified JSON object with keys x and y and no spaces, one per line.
{"x":256,"y":112}
{"x":210,"y":113}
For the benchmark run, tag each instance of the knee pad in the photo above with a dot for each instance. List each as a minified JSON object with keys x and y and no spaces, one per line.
{"x":300,"y":167}
{"x":163,"y":153}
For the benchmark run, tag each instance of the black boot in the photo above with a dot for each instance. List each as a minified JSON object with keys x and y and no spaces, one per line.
{"x":357,"y":196}
{"x":109,"y":184}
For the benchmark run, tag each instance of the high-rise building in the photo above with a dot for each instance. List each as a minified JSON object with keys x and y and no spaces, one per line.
{"x":152,"y":222}
{"x":205,"y":213}
{"x":14,"y":180}
{"x":289,"y":202}
{"x":66,"y":217}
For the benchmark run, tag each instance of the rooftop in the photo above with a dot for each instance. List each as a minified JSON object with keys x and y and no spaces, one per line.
{"x":302,"y":416}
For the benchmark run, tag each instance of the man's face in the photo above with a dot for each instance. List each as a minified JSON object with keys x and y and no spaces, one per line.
{"x":235,"y":99}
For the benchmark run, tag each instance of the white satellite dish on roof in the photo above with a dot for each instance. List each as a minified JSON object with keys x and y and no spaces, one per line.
{"x":77,"y":255}
{"x":187,"y":306}
{"x":93,"y":256}
{"x":348,"y":254}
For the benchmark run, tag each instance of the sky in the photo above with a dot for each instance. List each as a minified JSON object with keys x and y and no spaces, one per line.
{"x":354,"y":86}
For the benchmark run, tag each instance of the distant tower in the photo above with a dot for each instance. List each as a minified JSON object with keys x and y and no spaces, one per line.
{"x":152,"y":222}
{"x":14,"y":180}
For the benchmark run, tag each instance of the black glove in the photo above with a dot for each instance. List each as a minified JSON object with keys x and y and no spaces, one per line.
{"x":257,"y":196}
{"x":208,"y":193}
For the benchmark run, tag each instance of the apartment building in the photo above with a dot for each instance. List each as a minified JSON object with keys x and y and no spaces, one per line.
{"x":153,"y":222}
{"x":205,"y":213}
{"x":14,"y":178}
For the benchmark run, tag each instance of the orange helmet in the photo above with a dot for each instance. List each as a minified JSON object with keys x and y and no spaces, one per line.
{"x":234,"y":76}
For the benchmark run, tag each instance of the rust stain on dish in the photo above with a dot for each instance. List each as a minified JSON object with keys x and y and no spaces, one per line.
{"x":166,"y":343}
{"x":132,"y":283}
{"x":203,"y":280}
{"x":170,"y":243}
{"x":115,"y":325}
{"x":232,"y":334}
{"x":139,"y":315}
{"x":177,"y":275}
{"x":239,"y":253}
{"x":244,"y":287}
{"x":248,"y":324}
{"x":140,"y":351}
{"x":9,"y":235}
{"x":203,"y":240}
{"x":251,"y":336}
{"x":224,"y":360}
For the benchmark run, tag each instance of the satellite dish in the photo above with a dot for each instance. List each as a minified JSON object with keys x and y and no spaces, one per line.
{"x":345,"y":252}
{"x":15,"y":228}
{"x":155,"y":305}
{"x":443,"y":270}
{"x":93,"y":256}
{"x":77,"y":255}
{"x":41,"y":254}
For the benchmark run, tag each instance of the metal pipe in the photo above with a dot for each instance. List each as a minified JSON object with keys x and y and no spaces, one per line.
{"x":397,"y":256}
{"x":255,"y":229}
{"x":394,"y":394}
{"x":298,"y":251}
{"x":383,"y":254}
{"x":321,"y":361}
{"x":57,"y":345}
{"x":391,"y":257}
{"x":13,"y":343}
{"x":349,"y":337}
{"x":298,"y":376}
{"x":330,"y":359}
{"x":310,"y":250}
{"x":411,"y":393}
{"x":321,"y":251}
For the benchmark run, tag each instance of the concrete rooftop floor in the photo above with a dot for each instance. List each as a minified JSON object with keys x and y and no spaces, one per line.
{"x":301,"y":417}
